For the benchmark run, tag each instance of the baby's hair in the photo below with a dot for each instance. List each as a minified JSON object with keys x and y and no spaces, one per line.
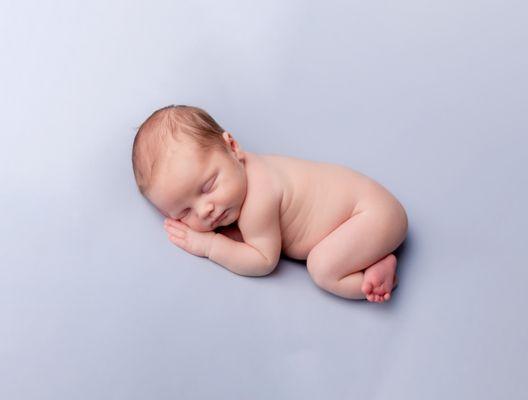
{"x":164,"y":127}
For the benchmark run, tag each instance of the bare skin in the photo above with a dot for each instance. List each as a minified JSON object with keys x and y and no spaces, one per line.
{"x":344,"y":224}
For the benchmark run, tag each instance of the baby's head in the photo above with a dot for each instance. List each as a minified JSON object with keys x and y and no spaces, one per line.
{"x":189,"y":168}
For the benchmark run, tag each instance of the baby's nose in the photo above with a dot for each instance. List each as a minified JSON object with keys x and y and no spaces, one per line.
{"x":206,"y":212}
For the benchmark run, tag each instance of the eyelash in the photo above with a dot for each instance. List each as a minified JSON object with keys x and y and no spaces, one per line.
{"x":210,"y":189}
{"x":212,"y":185}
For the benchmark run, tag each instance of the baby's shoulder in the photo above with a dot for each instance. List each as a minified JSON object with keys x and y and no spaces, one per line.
{"x":264,"y":195}
{"x":262,"y":177}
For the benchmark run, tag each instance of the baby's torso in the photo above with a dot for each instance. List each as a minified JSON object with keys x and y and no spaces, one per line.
{"x":316,"y":197}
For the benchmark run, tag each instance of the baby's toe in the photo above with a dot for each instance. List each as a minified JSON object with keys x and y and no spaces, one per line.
{"x":367,"y":288}
{"x":381,"y":289}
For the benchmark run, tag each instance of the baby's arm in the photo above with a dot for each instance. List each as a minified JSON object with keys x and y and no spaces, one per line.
{"x":231,"y":231}
{"x":259,"y":225}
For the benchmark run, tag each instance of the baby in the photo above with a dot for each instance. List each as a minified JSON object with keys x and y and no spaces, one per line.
{"x":241,"y":209}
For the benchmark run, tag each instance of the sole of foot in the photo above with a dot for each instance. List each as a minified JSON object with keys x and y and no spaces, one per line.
{"x":380,"y":279}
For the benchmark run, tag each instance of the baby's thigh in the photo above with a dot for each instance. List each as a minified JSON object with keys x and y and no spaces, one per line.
{"x":360,"y":241}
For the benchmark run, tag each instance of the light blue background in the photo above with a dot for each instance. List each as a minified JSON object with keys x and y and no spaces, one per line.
{"x":429,"y":98}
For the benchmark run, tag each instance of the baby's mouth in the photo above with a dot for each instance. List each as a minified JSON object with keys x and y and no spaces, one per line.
{"x":220,"y":217}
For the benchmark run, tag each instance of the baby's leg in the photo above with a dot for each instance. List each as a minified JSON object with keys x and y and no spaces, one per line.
{"x":354,"y":260}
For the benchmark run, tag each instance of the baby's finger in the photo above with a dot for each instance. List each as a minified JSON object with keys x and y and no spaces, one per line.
{"x":175,"y":231}
{"x":176,"y":223}
{"x":181,"y":243}
{"x":177,"y":241}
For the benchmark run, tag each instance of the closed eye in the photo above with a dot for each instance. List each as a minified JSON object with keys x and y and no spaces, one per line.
{"x":209,"y":186}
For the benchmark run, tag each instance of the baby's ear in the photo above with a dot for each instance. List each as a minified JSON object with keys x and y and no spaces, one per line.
{"x":227,"y":137}
{"x":233,"y":145}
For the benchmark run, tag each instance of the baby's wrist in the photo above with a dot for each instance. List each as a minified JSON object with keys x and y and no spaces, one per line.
{"x":209,"y":248}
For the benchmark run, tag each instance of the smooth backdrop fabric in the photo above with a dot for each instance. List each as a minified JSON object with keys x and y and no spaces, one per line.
{"x":429,"y":98}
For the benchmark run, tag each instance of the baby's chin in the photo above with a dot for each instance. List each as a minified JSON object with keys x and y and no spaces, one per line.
{"x":208,"y":228}
{"x":202,"y":229}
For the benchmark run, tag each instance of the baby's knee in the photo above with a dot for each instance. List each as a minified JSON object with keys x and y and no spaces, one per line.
{"x":315,"y":264}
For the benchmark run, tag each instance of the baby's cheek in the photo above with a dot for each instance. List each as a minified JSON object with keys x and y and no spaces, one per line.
{"x":196,"y":225}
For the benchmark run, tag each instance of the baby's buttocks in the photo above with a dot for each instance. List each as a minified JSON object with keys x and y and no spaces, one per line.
{"x":318,"y":197}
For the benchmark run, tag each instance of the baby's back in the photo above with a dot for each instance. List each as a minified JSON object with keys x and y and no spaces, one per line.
{"x":317,"y":198}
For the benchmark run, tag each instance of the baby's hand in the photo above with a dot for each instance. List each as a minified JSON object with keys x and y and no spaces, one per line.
{"x":197,"y":243}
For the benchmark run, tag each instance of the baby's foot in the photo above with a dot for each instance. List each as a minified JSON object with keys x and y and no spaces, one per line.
{"x":380,"y":279}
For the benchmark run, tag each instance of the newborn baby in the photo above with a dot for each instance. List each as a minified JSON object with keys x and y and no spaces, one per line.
{"x":241,"y":209}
